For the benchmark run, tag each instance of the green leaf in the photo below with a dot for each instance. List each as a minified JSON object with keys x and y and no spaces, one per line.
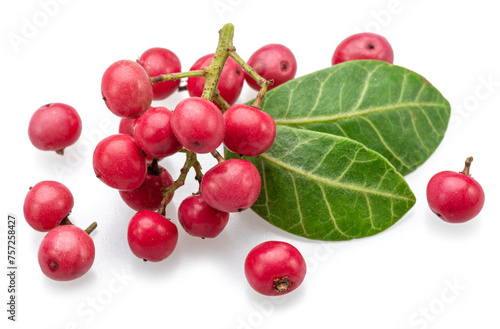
{"x":390,"y":109}
{"x":326,"y":187}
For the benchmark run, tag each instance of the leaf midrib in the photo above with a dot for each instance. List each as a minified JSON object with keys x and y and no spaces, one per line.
{"x":353,"y":114}
{"x":332,"y":183}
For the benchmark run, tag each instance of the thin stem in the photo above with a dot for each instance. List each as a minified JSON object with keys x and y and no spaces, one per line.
{"x":154,"y":168}
{"x":176,"y":76}
{"x":190,"y":161}
{"x":222,"y":102}
{"x":263,"y":83}
{"x":466,"y":170}
{"x":214,"y":70}
{"x":199,"y":173}
{"x":66,"y":221}
{"x":217,"y":155}
{"x":91,"y":228}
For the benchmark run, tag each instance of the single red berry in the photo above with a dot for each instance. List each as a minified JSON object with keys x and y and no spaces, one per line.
{"x":455,"y":197}
{"x":150,"y":194}
{"x":126,"y":89}
{"x":47,"y":204}
{"x":230,"y":81}
{"x":249,"y":131}
{"x":198,"y":125}
{"x":127,"y":126}
{"x":159,"y":61}
{"x":232,"y":185}
{"x":153,"y":133}
{"x":151,"y":236}
{"x":119,"y":163}
{"x":275,"y":268}
{"x":54,"y":127}
{"x":363,"y":46}
{"x":66,"y":253}
{"x":199,"y":219}
{"x":272,"y":62}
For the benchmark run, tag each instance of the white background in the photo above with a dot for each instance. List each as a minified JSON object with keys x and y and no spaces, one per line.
{"x":421,"y":273}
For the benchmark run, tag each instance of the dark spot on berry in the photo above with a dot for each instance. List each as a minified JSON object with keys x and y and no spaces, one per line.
{"x":284,"y":65}
{"x":53,"y":266}
{"x":104,"y":98}
{"x":439,"y":215}
{"x":238,"y":71}
{"x":30,"y":188}
{"x":240,"y":209}
{"x":144,"y":259}
{"x":370,"y":46}
{"x":196,"y":144}
{"x":47,"y":105}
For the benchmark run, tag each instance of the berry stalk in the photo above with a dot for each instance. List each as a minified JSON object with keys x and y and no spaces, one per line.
{"x":466,"y":170}
{"x":263,"y":83}
{"x":191,"y":160}
{"x":176,"y":76}
{"x":212,"y":75}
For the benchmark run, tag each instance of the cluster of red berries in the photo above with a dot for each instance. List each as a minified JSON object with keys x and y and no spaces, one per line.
{"x":128,"y":161}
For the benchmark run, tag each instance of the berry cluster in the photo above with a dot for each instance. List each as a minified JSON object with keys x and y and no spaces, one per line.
{"x":208,"y":118}
{"x":128,"y":161}
{"x":67,"y":252}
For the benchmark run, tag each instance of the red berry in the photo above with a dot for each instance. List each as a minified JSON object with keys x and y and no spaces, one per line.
{"x":363,"y":46}
{"x":127,"y":126}
{"x":119,"y":163}
{"x":66,"y":253}
{"x":249,"y":131}
{"x":455,"y":197}
{"x":159,"y":61}
{"x":54,"y":127}
{"x":151,"y":236}
{"x":47,"y":204}
{"x":198,"y":125}
{"x":126,"y":89}
{"x":273,"y":61}
{"x":150,"y":194}
{"x":232,"y":185}
{"x":199,"y":219}
{"x":230,"y":81}
{"x":275,"y":268}
{"x":153,"y":133}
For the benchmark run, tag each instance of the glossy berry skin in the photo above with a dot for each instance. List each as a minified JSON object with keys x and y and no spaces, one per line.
{"x":126,"y":89}
{"x":153,"y":133}
{"x":454,"y":197}
{"x":157,"y":61}
{"x":275,"y":268}
{"x":198,"y":125}
{"x":66,"y":253}
{"x":150,"y":194}
{"x":47,"y":204}
{"x":151,"y":236}
{"x":363,"y":46}
{"x":119,"y":163}
{"x":230,"y":81}
{"x":273,"y":61}
{"x":127,"y":126}
{"x":54,"y":127}
{"x":249,"y":131}
{"x":232,"y":185}
{"x":199,"y":219}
